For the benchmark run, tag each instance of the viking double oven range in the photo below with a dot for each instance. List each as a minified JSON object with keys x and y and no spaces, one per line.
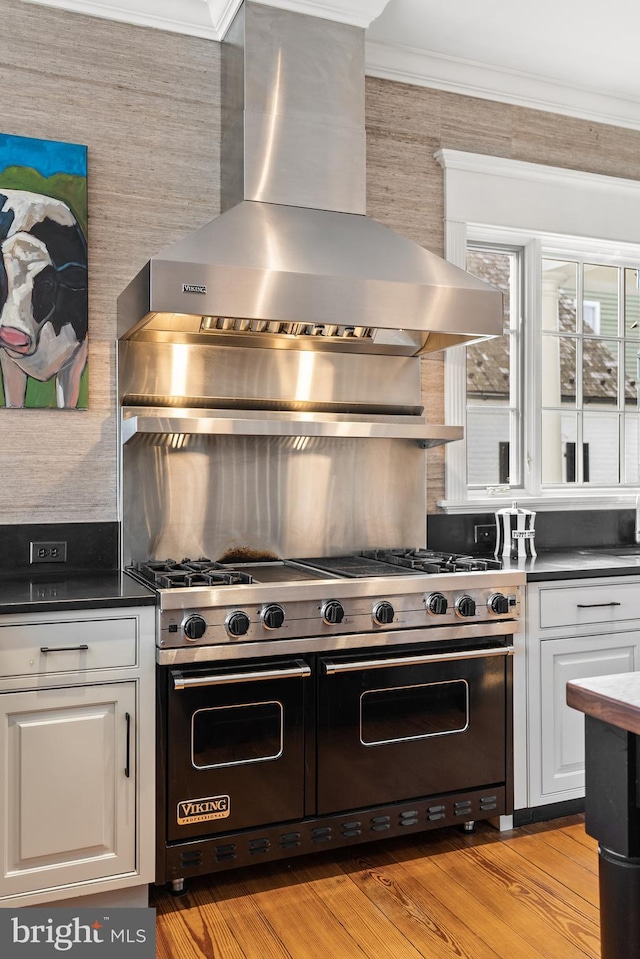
{"x":318,"y":682}
{"x":308,"y":704}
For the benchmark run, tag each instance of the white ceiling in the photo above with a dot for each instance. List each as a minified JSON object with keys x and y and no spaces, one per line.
{"x":567,"y":56}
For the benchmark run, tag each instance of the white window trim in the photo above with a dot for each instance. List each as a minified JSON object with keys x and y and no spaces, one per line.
{"x":493,"y":199}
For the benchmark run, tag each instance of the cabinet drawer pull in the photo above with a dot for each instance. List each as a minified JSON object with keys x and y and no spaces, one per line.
{"x":62,"y":649}
{"x":591,"y":605}
{"x":127,"y":770}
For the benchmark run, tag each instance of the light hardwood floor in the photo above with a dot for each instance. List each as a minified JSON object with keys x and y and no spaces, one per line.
{"x":524,"y":894}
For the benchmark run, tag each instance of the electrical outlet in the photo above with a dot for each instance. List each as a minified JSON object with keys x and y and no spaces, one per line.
{"x":485,"y":535}
{"x":48,"y":553}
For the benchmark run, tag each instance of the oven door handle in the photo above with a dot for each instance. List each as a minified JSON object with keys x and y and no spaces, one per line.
{"x":332,"y":668}
{"x":300,"y":671}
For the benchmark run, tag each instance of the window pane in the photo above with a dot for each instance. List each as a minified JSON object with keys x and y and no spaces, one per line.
{"x":495,"y":267}
{"x":600,"y":299}
{"x":559,"y":286}
{"x":631,"y":448}
{"x":599,"y":372}
{"x":600,"y":448}
{"x":631,"y":375}
{"x":559,"y":431}
{"x":559,"y":370}
{"x":487,"y":434}
{"x":488,"y":367}
{"x":632,"y":304}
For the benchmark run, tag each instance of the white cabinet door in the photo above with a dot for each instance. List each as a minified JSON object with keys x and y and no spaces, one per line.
{"x":562,"y":728}
{"x":67,"y":799}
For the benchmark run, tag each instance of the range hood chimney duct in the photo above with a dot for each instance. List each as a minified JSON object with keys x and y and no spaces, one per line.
{"x":292,"y":258}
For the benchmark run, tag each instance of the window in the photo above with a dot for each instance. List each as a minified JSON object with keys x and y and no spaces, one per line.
{"x":493,"y":374}
{"x":551,"y":407}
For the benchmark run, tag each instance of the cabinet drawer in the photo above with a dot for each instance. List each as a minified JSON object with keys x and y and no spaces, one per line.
{"x":582,"y":605}
{"x":48,"y":648}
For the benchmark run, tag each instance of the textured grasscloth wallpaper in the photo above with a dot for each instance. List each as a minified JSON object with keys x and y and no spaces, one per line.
{"x":146,"y":103}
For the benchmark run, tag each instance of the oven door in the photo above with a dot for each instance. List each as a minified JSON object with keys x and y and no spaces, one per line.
{"x":235,"y":747}
{"x":409,"y":725}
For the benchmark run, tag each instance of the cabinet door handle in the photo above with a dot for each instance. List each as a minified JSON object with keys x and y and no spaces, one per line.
{"x":62,"y":649}
{"x":127,"y":770}
{"x":591,"y":605}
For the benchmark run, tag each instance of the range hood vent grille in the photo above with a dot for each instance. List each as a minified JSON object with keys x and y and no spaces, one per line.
{"x":216,"y":324}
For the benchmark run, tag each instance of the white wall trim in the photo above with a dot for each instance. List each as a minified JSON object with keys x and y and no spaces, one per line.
{"x":491,"y":190}
{"x":189,"y":17}
{"x":455,"y":378}
{"x":211,"y":19}
{"x":406,"y":64}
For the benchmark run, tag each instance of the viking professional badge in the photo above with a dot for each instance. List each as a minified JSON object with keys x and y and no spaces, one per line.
{"x":203,"y":810}
{"x":193,"y":288}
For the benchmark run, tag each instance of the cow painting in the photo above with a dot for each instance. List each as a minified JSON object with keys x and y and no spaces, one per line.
{"x":43,"y":296}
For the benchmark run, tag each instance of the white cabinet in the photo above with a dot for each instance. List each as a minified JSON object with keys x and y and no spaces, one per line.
{"x":575,"y":630}
{"x":76,"y":754}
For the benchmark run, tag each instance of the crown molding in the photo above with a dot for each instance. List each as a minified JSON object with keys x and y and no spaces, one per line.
{"x":211,"y":18}
{"x":359,"y":13}
{"x":409,"y":65}
{"x":190,"y":17}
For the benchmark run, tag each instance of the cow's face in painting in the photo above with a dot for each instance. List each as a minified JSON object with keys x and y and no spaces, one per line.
{"x":43,"y":296}
{"x":30,"y":293}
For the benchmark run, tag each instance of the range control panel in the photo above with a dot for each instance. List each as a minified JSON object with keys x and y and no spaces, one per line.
{"x":280,"y":619}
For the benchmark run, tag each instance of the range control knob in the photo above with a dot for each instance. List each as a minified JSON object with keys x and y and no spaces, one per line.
{"x":498,"y":603}
{"x":272,"y":616}
{"x":194,"y":627}
{"x":437,"y":604}
{"x":465,"y":606}
{"x":383,"y":613}
{"x":237,"y":623}
{"x":332,"y":612}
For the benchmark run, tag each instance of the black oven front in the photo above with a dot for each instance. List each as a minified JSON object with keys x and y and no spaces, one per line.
{"x":263,"y":759}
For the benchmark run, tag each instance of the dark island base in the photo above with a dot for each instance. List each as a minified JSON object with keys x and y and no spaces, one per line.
{"x":612,"y":817}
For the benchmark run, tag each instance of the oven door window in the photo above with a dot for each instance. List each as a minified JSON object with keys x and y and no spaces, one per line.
{"x":403,"y":713}
{"x":237,"y":735}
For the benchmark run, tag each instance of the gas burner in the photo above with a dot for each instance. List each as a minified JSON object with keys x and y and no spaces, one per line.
{"x":431,"y":561}
{"x":169,"y":574}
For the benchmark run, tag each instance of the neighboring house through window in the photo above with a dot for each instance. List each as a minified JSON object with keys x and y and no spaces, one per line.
{"x":550,"y":408}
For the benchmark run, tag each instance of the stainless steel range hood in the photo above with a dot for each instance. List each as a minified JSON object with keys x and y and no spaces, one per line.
{"x":293,"y":262}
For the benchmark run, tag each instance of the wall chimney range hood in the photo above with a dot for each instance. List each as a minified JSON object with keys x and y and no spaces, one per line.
{"x":293,"y":262}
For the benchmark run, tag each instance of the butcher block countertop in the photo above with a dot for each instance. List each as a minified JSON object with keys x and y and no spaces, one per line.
{"x":612,"y":699}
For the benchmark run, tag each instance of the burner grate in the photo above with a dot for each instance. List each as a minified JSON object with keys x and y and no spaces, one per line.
{"x":169,"y":574}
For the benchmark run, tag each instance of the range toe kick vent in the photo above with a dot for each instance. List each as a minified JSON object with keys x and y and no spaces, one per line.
{"x":285,"y":840}
{"x":258,"y":846}
{"x":290,"y":840}
{"x":350,"y":829}
{"x":462,"y":808}
{"x":226,"y":853}
{"x":321,"y":834}
{"x":190,"y":858}
{"x":409,"y":818}
{"x":380,"y":823}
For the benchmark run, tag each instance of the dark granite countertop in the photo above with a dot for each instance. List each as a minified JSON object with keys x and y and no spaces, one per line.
{"x":613,"y":699}
{"x":47,"y":592}
{"x":579,"y":563}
